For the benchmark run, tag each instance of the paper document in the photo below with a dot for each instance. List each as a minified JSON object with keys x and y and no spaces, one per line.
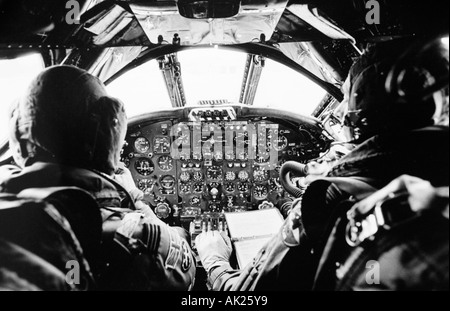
{"x":249,"y":231}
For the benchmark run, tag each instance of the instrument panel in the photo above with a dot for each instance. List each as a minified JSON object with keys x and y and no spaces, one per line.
{"x":190,"y":169}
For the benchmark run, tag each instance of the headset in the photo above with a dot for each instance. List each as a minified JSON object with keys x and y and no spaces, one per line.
{"x":395,"y":93}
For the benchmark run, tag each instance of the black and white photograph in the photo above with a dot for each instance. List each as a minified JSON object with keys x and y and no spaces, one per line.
{"x":224,"y":150}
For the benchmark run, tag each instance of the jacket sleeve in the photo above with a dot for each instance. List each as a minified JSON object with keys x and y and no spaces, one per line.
{"x":148,"y":255}
{"x":174,"y":259}
{"x":224,"y":277}
{"x":273,"y":267}
{"x":259,"y":273}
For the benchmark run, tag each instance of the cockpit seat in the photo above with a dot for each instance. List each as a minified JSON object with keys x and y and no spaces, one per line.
{"x":47,"y":237}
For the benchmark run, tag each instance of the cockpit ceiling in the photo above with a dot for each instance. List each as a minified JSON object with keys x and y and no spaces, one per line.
{"x":255,"y":18}
{"x":42,"y":23}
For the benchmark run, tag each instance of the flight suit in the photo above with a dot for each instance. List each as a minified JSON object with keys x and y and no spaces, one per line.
{"x":290,"y":259}
{"x":137,"y":252}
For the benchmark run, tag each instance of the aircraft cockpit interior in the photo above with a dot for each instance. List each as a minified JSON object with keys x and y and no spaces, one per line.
{"x":215,"y":145}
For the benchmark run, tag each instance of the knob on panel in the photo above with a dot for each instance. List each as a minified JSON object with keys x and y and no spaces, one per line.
{"x":162,"y":210}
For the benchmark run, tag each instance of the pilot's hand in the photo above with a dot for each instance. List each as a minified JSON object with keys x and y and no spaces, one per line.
{"x":214,"y":249}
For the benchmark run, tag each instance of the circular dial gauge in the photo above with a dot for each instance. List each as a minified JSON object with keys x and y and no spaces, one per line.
{"x":230,"y":176}
{"x":145,"y":185}
{"x":242,"y":187}
{"x":185,"y":188}
{"x":141,"y":144}
{"x":167,"y":182}
{"x":243,"y":175}
{"x":260,"y":192}
{"x":280,"y":143}
{"x":214,"y":173}
{"x":144,"y":166}
{"x":198,"y":176}
{"x":194,"y":200}
{"x":165,"y":163}
{"x":229,"y":187}
{"x":260,"y":174}
{"x":185,"y":176}
{"x":198,"y":187}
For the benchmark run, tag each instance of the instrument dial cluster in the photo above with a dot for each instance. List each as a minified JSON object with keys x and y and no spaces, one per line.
{"x":215,"y":166}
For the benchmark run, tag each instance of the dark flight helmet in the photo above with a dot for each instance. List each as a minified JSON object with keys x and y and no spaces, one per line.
{"x":67,"y":117}
{"x":397,"y":86}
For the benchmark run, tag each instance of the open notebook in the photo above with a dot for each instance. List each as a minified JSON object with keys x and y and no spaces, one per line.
{"x":250,"y":230}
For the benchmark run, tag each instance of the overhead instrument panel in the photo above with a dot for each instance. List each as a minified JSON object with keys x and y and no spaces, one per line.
{"x":189,"y":169}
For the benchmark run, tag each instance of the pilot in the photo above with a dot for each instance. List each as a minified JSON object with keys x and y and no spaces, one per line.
{"x":66,"y":131}
{"x":390,"y":104}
